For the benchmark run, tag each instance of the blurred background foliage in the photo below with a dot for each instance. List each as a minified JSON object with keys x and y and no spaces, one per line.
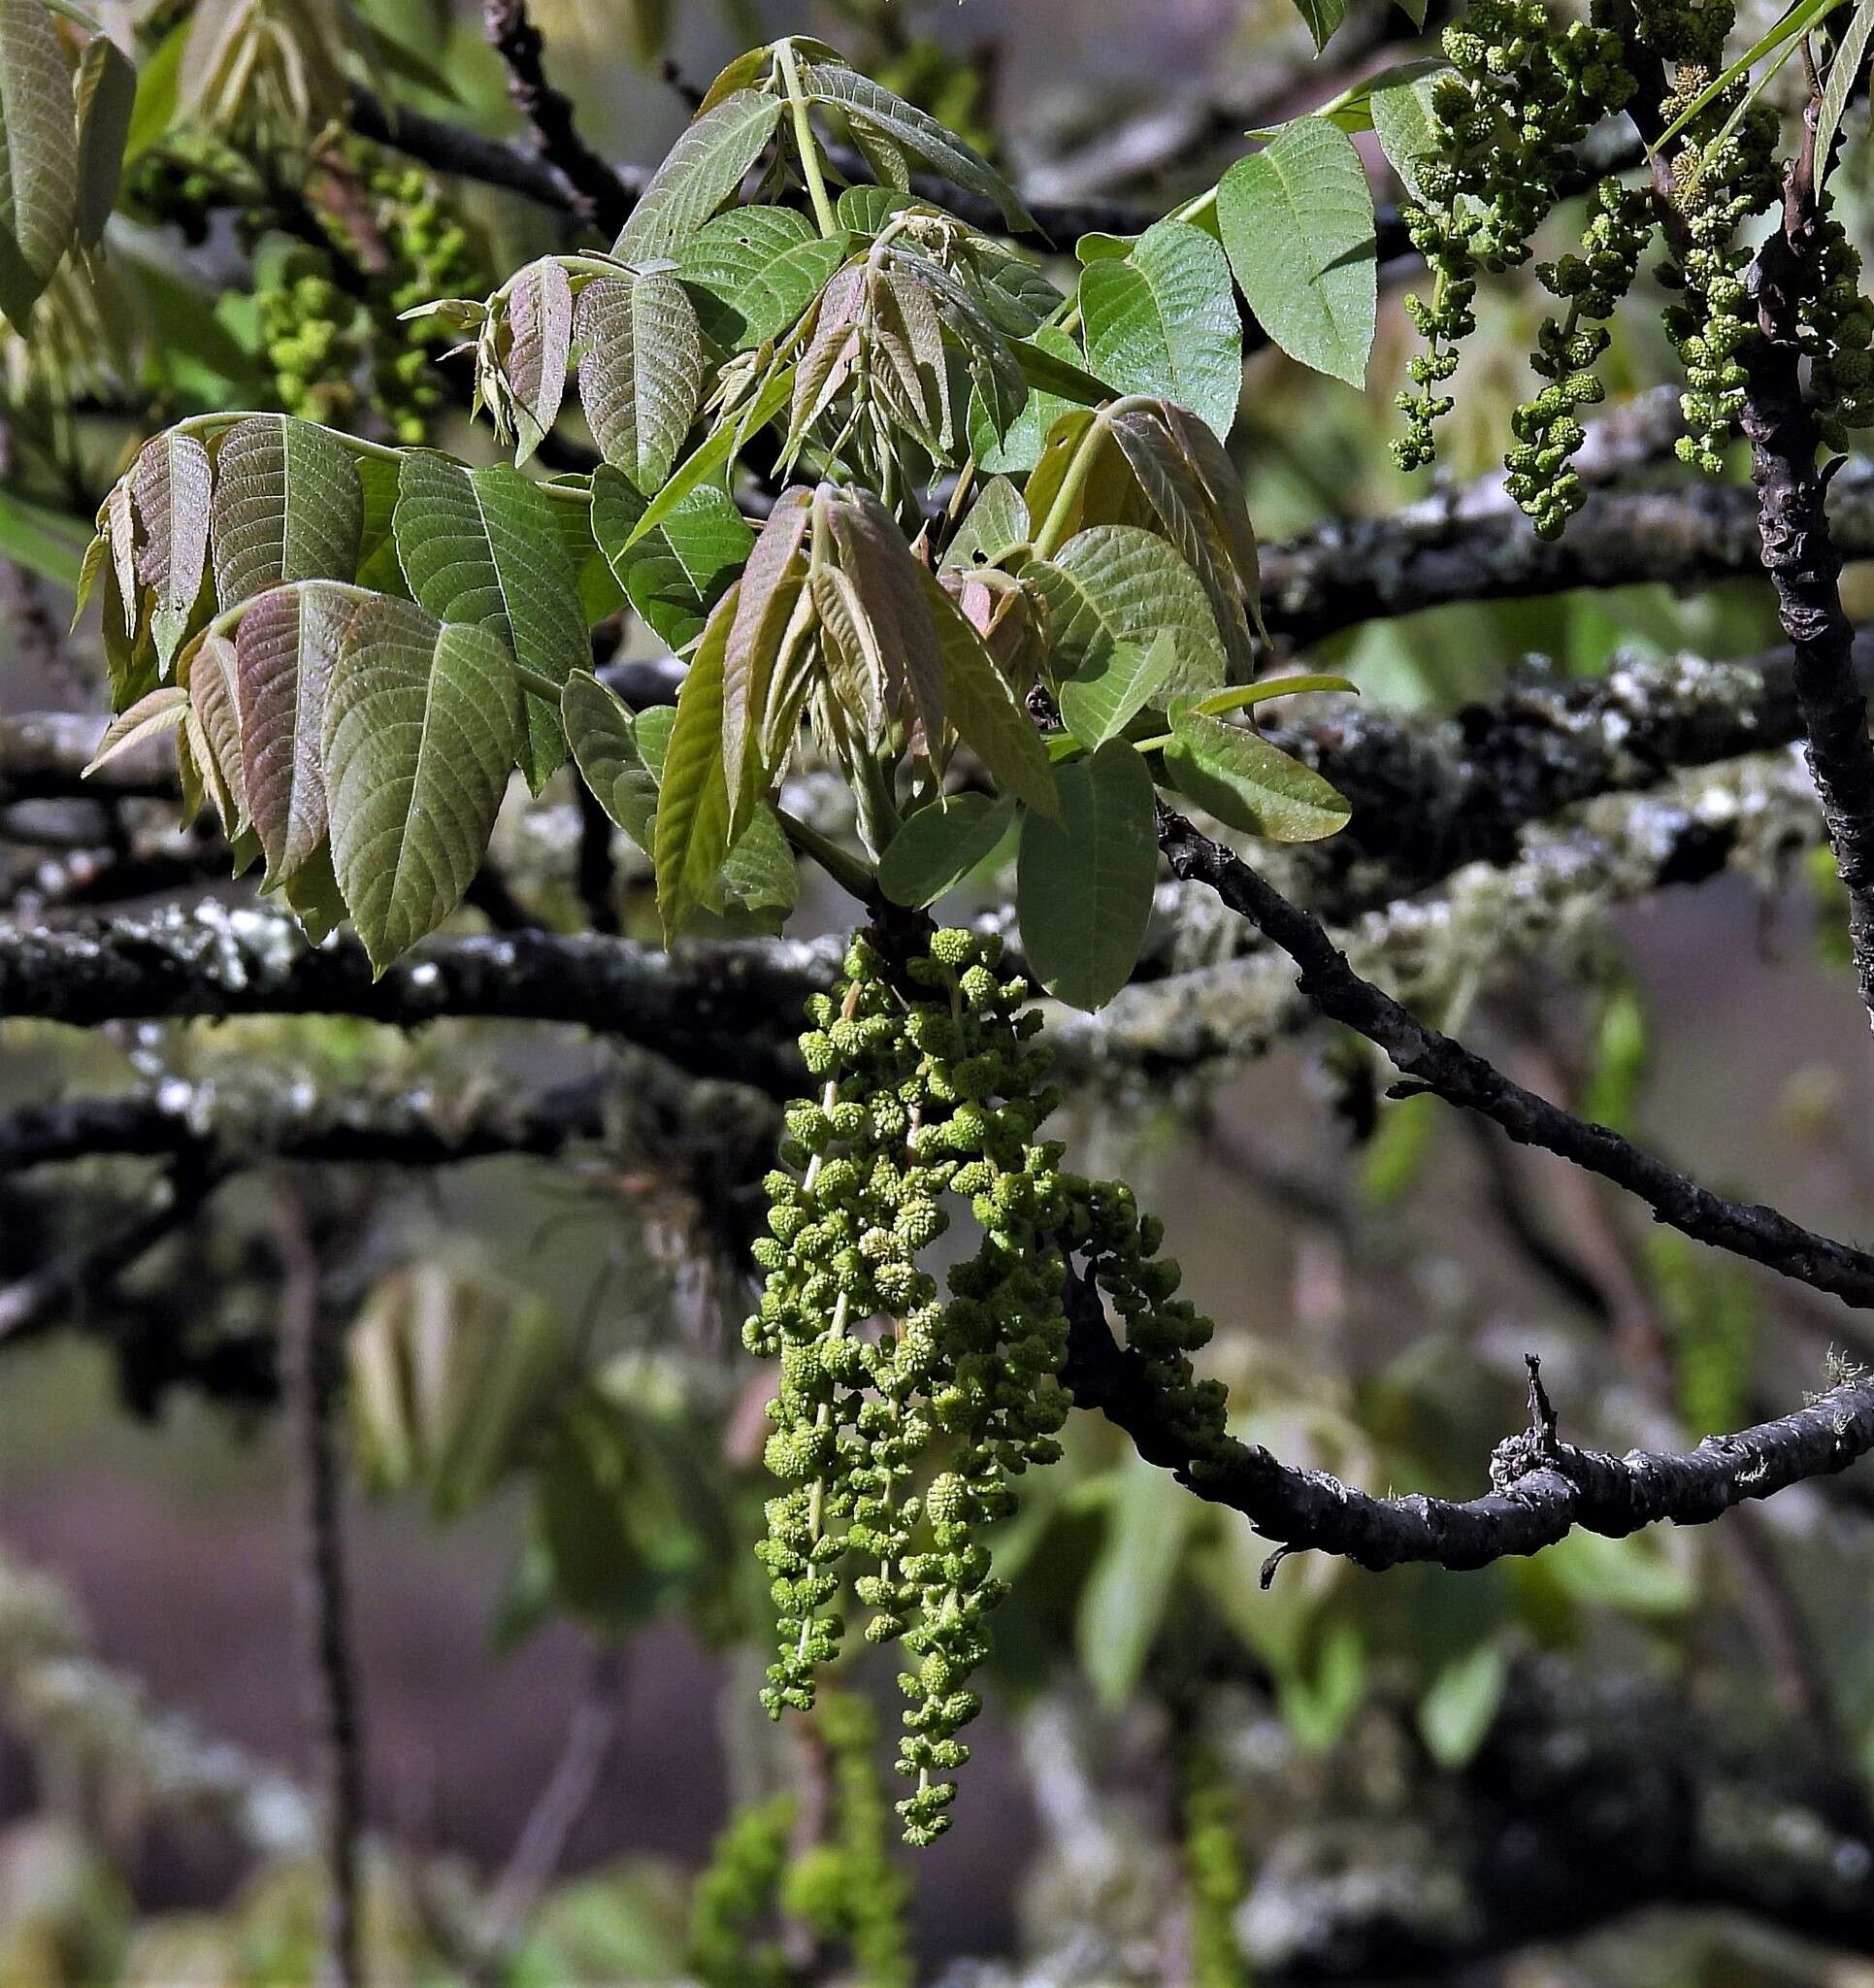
{"x":555,"y":1440}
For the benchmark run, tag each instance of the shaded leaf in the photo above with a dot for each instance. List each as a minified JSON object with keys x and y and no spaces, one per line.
{"x":1019,"y":447}
{"x":940,"y":846}
{"x":1402,"y":120}
{"x":1084,"y":884}
{"x":1298,"y":222}
{"x":288,"y":505}
{"x":39,"y":155}
{"x":1163,"y":321}
{"x":215,"y":700}
{"x":481,"y":547}
{"x":716,"y":451}
{"x":540,"y":319}
{"x":1456,"y":1715}
{"x":420,"y":730}
{"x":702,"y":171}
{"x":759,"y":881}
{"x":891,"y":595}
{"x":1237,"y":775}
{"x":1323,"y":17}
{"x":984,"y":712}
{"x":1128,"y":1593}
{"x":641,"y":372}
{"x":105,"y":96}
{"x":284,"y":653}
{"x":602,"y":733}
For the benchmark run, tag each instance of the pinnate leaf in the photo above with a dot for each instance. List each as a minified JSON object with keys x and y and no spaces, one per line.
{"x":1109,"y":693}
{"x":420,"y":729}
{"x":38,"y":156}
{"x":161,"y":711}
{"x":1120,"y":584}
{"x":676,"y":573}
{"x":692,"y":833}
{"x":754,"y":270}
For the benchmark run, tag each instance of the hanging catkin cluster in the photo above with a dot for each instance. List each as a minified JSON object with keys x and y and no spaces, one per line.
{"x":1723,"y":172}
{"x":905,"y":1414}
{"x":929,"y":1090}
{"x":1522,"y":91}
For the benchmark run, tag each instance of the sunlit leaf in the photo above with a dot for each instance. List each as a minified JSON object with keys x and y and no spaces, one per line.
{"x":984,"y":712}
{"x":150,"y":718}
{"x":1117,"y":585}
{"x":288,"y":505}
{"x":284,"y":652}
{"x":940,"y":846}
{"x":173,"y":484}
{"x":39,"y":155}
{"x":641,"y":372}
{"x":540,"y":319}
{"x":1237,"y":775}
{"x":1163,"y":321}
{"x":701,"y":171}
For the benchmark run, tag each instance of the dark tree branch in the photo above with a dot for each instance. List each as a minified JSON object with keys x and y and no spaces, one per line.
{"x":1541,"y":1485}
{"x":594,"y":193}
{"x":306,"y":1357}
{"x":717,"y":1009}
{"x":1798,"y":553}
{"x":1461,"y":1077}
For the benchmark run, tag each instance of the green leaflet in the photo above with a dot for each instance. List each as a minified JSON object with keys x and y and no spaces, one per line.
{"x":621,"y":757}
{"x":768,"y":593}
{"x":1237,"y":775}
{"x":288,"y":505}
{"x":422,"y":723}
{"x":602,"y":733}
{"x":173,"y":483}
{"x":679,"y":572}
{"x":38,"y":156}
{"x":1083,"y":889}
{"x":1402,"y":113}
{"x":996,"y":525}
{"x":1112,"y":690}
{"x":1323,"y":17}
{"x":940,"y":846}
{"x":1298,"y":222}
{"x":1117,"y":585}
{"x":641,"y":372}
{"x":1129,"y":1591}
{"x":753,"y":270}
{"x":701,"y":172}
{"x":539,"y":348}
{"x":715,"y":452}
{"x":481,"y":547}
{"x":285,"y":650}
{"x":1844,"y":69}
{"x":152,"y":715}
{"x":869,"y":106}
{"x":1163,"y":321}
{"x":984,"y":712}
{"x":692,"y":833}
{"x":105,"y":95}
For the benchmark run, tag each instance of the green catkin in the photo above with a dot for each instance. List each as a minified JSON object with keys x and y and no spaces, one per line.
{"x":736,"y":1893}
{"x":1522,"y":91}
{"x":1718,"y":181}
{"x":1214,"y":1879}
{"x":930,"y":1092}
{"x":1548,"y":428}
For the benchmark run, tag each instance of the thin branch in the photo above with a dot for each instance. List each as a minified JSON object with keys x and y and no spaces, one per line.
{"x":1461,"y":1077}
{"x":1799,"y":554}
{"x":1542,"y":1485}
{"x":331,"y":1689}
{"x":596,"y":196}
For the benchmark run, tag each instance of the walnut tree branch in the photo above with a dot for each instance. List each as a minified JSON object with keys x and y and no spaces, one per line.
{"x":595,"y":194}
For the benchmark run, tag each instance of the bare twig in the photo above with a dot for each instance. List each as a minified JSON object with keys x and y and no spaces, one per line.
{"x":330,"y":1690}
{"x":594,"y":192}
